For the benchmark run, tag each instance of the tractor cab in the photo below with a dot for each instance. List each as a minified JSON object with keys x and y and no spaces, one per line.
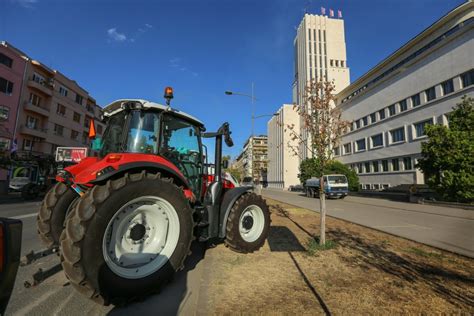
{"x":143,"y":127}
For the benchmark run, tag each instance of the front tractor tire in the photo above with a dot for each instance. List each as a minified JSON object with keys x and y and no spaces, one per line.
{"x":248,"y":224}
{"x":127,"y":238}
{"x":50,"y":220}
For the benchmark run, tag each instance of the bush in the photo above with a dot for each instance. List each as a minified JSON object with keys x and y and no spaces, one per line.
{"x":310,"y":168}
{"x":448,"y":156}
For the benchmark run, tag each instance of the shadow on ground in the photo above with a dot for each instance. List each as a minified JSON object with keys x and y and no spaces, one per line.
{"x":451,"y":285}
{"x":172,"y":296}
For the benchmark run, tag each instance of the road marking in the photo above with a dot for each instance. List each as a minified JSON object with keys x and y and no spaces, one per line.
{"x":24,"y":216}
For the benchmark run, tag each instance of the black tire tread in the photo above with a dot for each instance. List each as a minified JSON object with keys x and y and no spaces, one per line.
{"x":43,"y":220}
{"x":74,"y":233}
{"x":231,"y":241}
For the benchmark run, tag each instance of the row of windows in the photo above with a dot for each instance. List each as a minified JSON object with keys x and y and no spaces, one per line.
{"x":447,"y":87}
{"x":384,"y":165}
{"x":412,"y":56}
{"x":337,"y":63}
{"x":395,"y":136}
{"x":4,"y":112}
{"x":34,"y":123}
{"x":374,"y":186}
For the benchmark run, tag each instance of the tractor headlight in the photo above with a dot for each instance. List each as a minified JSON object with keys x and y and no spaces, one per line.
{"x":104,"y":171}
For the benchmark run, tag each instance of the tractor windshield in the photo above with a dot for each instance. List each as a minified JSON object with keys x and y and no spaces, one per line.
{"x":142,"y":137}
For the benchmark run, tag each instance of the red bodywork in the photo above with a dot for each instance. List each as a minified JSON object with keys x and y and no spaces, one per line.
{"x":85,"y":172}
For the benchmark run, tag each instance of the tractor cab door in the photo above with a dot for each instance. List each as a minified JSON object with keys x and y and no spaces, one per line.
{"x":181,"y":144}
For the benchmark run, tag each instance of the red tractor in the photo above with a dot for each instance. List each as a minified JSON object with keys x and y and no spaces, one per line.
{"x":124,"y":220}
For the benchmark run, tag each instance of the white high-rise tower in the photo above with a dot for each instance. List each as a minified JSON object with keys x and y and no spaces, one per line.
{"x":320,"y":53}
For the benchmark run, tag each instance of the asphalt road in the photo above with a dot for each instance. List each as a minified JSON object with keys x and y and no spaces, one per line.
{"x":56,"y":297}
{"x":442,"y":227}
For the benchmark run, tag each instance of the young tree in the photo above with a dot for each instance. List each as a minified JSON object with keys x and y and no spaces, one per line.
{"x":448,"y":155}
{"x":324,"y":126}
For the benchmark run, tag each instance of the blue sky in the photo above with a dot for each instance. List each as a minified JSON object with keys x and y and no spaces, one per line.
{"x":133,"y":49}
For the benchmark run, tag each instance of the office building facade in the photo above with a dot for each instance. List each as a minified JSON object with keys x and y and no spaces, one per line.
{"x":391,"y":104}
{"x":283,"y":164}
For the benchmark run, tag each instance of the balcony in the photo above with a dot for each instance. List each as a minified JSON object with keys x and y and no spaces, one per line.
{"x":36,"y":109}
{"x":33,"y":131}
{"x":42,"y":86}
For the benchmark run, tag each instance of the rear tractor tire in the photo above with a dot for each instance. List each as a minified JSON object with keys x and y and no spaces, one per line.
{"x":248,"y":224}
{"x":125,"y":239}
{"x":53,"y":210}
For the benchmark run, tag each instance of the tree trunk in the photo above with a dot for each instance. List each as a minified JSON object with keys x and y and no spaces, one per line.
{"x":322,"y":207}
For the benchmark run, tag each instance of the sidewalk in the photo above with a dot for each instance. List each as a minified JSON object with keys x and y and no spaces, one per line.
{"x":446,"y":228}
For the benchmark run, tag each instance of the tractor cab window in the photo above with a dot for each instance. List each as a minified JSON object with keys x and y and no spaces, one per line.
{"x":143,"y":132}
{"x":112,"y":139}
{"x":180,"y":144}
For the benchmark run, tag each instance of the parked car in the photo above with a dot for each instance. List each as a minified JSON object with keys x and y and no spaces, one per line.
{"x":247,"y":182}
{"x":296,"y":188}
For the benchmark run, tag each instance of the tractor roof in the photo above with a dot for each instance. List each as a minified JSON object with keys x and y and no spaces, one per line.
{"x":116,"y":107}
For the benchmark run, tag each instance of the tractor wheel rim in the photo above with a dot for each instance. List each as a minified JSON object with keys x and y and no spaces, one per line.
{"x":251,"y":223}
{"x":141,"y":237}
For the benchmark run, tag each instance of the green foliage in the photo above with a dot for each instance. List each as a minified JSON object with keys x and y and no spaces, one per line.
{"x":313,"y":246}
{"x":311,"y":168}
{"x":448,"y":156}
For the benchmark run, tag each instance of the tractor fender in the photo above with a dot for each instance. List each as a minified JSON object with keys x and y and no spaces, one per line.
{"x":227,"y":202}
{"x":180,"y":180}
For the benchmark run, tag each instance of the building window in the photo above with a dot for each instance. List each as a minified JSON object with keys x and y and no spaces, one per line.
{"x":377,"y":140}
{"x":375,"y":166}
{"x":63,"y":91}
{"x":376,"y":186}
{"x":35,"y":99}
{"x":337,"y":151}
{"x":58,"y":129}
{"x":360,"y":144}
{"x":90,"y":108}
{"x":358,"y":124}
{"x":467,"y":78}
{"x":395,"y":165}
{"x":385,"y":186}
{"x":99,"y":131}
{"x":415,"y":99}
{"x":373,"y":118}
{"x":382,"y":114}
{"x":407,"y":163}
{"x":331,"y":62}
{"x":447,"y":86}
{"x":359,"y":168}
{"x":347,"y":148}
{"x":87,"y":121}
{"x":367,"y":167}
{"x":403,"y":105}
{"x":4,"y":112}
{"x":77,"y":117}
{"x":367,"y":186}
{"x":79,"y":99}
{"x":342,"y":63}
{"x":398,"y":135}
{"x":4,"y":144}
{"x":337,"y":63}
{"x":6,"y":86}
{"x":27,"y":144}
{"x":430,"y":94}
{"x":85,"y":137}
{"x":365,"y":121}
{"x":38,"y":78}
{"x":7,"y":61}
{"x":32,"y":122}
{"x":74,"y":134}
{"x":420,"y":128}
{"x":61,"y":110}
{"x":391,"y":110}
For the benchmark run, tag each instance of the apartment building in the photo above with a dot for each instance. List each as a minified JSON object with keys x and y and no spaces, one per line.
{"x":53,"y":110}
{"x":253,"y":158}
{"x":320,"y":54}
{"x":283,"y":164}
{"x":390,"y":106}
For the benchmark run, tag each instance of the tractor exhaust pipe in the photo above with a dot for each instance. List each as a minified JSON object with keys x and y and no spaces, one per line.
{"x":225,"y":132}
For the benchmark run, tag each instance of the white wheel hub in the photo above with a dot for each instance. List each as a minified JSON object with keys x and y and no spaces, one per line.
{"x":251,"y":223}
{"x":141,"y":237}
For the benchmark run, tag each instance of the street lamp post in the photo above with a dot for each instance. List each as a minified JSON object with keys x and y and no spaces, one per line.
{"x":252,"y":97}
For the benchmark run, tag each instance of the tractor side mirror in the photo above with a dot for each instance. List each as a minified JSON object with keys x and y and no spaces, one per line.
{"x":225,"y":164}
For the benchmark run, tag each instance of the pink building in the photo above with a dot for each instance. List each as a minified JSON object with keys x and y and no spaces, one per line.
{"x":12,"y":72}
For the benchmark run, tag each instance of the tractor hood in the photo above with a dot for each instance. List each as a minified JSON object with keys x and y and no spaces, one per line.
{"x":119,"y":105}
